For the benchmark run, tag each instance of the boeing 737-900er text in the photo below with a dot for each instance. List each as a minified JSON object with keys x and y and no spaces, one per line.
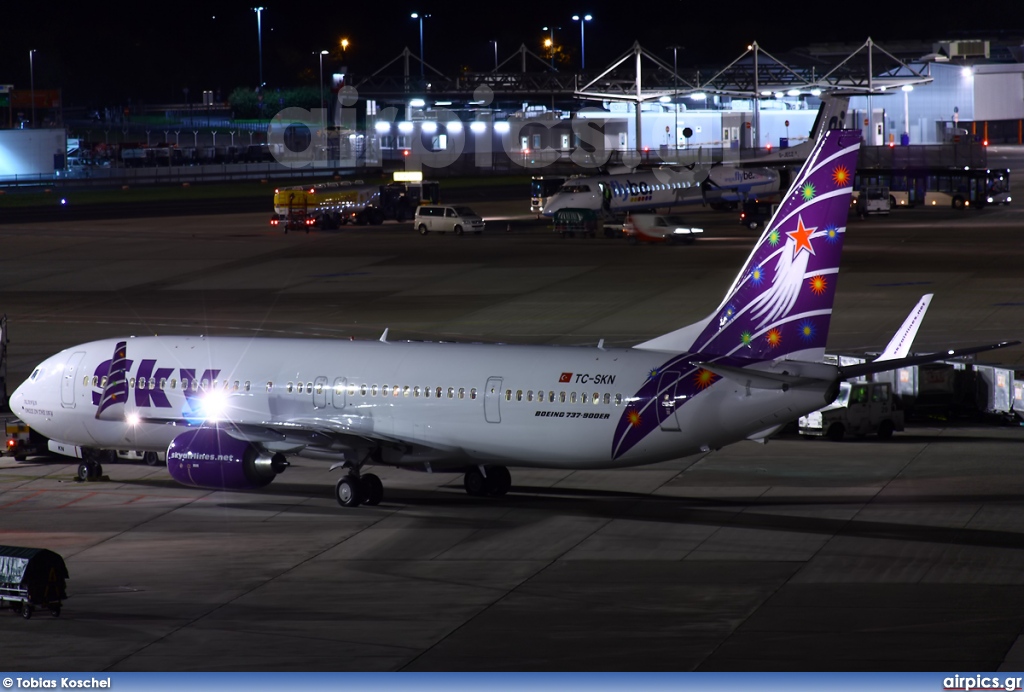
{"x":228,"y":410}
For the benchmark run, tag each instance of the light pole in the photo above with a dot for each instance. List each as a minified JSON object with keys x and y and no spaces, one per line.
{"x":907,"y":88}
{"x":583,"y":45}
{"x":259,"y":38}
{"x":551,"y":42}
{"x":322,"y":54}
{"x":421,"y":17}
{"x":32,"y":84}
{"x":675,"y":93}
{"x":495,"y":42}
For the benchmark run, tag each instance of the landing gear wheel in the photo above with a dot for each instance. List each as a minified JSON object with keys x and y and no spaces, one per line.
{"x":474,"y":482}
{"x":373,"y":489}
{"x":498,"y":481}
{"x":89,"y":471}
{"x":348,"y":492}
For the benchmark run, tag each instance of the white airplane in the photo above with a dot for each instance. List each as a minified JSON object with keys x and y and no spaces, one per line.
{"x":228,"y":410}
{"x":663,"y":188}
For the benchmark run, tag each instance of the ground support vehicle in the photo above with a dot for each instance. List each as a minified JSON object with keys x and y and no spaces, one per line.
{"x":656,"y":228}
{"x":571,"y":222}
{"x":331,"y":205}
{"x":755,"y":213}
{"x":873,"y":200}
{"x":31,"y":579}
{"x":21,"y":441}
{"x":862,"y":408}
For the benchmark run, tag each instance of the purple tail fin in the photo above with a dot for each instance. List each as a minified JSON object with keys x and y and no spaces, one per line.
{"x":780,"y":304}
{"x":115,"y":391}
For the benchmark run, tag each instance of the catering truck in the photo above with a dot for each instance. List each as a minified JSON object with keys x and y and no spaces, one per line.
{"x":862,"y":408}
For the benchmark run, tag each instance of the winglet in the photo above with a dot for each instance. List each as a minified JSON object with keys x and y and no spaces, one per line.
{"x":384,"y":336}
{"x":903,"y":339}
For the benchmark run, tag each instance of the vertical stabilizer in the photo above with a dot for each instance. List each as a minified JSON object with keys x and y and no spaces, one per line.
{"x":780,"y":304}
{"x":115,"y":391}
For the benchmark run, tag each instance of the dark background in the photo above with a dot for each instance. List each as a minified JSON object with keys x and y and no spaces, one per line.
{"x":105,"y":53}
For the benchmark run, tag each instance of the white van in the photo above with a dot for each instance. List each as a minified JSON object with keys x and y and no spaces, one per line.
{"x":459,"y":220}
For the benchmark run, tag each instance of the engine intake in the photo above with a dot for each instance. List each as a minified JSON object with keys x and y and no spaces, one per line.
{"x":211,"y":458}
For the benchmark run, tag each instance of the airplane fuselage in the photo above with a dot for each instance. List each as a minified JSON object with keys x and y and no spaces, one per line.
{"x":444,"y":404}
{"x":662,"y":188}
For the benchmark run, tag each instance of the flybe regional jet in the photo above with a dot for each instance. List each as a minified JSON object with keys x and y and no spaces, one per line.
{"x":229,"y":411}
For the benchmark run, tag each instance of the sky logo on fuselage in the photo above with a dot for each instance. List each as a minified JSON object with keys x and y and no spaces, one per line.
{"x":148,"y":393}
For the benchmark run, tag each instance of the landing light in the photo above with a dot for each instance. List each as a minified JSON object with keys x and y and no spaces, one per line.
{"x":213,"y":405}
{"x":132,"y":419}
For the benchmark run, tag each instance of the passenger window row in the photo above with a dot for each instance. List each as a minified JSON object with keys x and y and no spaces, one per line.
{"x":186,"y":383}
{"x":593,"y":398}
{"x":371,"y":390}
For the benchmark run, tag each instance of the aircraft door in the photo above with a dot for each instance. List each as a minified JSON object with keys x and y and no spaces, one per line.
{"x":67,"y":382}
{"x":492,"y":400}
{"x":339,"y":392}
{"x":320,"y":392}
{"x":668,"y":401}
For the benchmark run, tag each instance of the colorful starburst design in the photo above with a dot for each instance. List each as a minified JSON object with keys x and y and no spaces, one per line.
{"x":633,"y":416}
{"x":773,"y":237}
{"x":757,"y":275}
{"x":808,"y":191}
{"x":841,"y":176}
{"x":818,"y":284}
{"x":746,"y":338}
{"x":704,"y":378}
{"x":807,"y":330}
{"x":653,"y":373}
{"x":728,"y":313}
{"x":773,"y":337}
{"x":831,"y":234}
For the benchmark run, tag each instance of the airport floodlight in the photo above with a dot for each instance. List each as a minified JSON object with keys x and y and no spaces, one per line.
{"x":322,"y":116}
{"x":420,"y":17}
{"x":344,"y":44}
{"x":32,"y":82}
{"x":583,"y":47}
{"x":259,"y":38}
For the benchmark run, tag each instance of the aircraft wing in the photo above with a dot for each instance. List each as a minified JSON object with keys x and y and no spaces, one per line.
{"x":849,"y":371}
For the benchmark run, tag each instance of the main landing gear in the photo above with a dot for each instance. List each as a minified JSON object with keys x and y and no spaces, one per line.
{"x":91,"y":468}
{"x":493,"y":481}
{"x":367,"y":489}
{"x":354,"y":490}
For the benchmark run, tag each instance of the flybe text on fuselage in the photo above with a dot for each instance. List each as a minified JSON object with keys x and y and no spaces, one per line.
{"x":631,"y":192}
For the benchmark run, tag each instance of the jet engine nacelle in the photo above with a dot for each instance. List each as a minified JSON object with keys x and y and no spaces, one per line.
{"x":211,"y":458}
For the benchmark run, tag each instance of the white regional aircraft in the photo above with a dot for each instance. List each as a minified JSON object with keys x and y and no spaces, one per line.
{"x":663,"y":188}
{"x":229,"y":410}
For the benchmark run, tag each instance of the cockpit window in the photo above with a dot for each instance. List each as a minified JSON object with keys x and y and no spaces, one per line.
{"x":34,"y":375}
{"x":574,"y":187}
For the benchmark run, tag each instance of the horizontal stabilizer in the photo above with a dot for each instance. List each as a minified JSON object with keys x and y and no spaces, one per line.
{"x":850,"y":371}
{"x":757,"y":379}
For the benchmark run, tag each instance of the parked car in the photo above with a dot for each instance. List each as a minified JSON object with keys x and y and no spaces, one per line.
{"x":439,"y":219}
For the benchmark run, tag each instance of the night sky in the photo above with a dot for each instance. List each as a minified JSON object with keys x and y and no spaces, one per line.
{"x":106,"y":53}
